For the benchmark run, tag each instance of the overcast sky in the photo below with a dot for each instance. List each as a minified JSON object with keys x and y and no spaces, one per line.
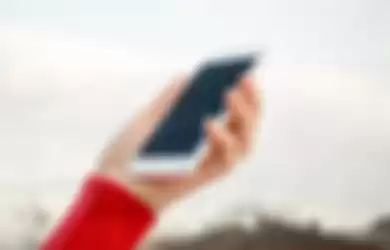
{"x":72,"y":71}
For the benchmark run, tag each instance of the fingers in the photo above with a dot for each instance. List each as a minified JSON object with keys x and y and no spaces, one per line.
{"x":238,"y":122}
{"x":251,"y":92}
{"x":231,"y":140}
{"x":242,"y":109}
{"x":220,"y":155}
{"x":127,"y":143}
{"x":221,"y":142}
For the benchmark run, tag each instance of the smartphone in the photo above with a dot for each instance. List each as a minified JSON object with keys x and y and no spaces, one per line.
{"x":176,"y":144}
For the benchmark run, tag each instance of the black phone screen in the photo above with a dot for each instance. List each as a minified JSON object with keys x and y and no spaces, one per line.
{"x":182,"y":129}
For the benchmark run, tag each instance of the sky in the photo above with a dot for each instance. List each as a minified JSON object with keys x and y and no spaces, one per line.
{"x":71,"y":72}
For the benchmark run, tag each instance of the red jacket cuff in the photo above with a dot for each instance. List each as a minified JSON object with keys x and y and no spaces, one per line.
{"x":104,"y":216}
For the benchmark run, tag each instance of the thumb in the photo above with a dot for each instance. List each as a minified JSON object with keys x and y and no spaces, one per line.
{"x":153,"y":114}
{"x":136,"y":132}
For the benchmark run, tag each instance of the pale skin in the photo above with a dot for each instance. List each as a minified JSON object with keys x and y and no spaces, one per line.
{"x":227,"y":143}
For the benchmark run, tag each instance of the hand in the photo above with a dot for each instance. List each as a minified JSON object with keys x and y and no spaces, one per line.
{"x":227,"y":143}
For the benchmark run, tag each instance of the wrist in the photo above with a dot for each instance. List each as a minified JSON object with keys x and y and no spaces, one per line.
{"x":156,"y":200}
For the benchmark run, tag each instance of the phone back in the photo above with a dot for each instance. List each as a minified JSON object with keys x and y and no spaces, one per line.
{"x":181,"y":131}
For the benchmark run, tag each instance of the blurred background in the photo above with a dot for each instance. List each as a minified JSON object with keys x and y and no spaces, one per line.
{"x":71,"y":72}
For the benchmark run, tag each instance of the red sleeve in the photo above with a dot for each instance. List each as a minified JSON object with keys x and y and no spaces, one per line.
{"x":105,"y":216}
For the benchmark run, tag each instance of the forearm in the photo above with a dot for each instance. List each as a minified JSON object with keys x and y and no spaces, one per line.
{"x":104,"y":216}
